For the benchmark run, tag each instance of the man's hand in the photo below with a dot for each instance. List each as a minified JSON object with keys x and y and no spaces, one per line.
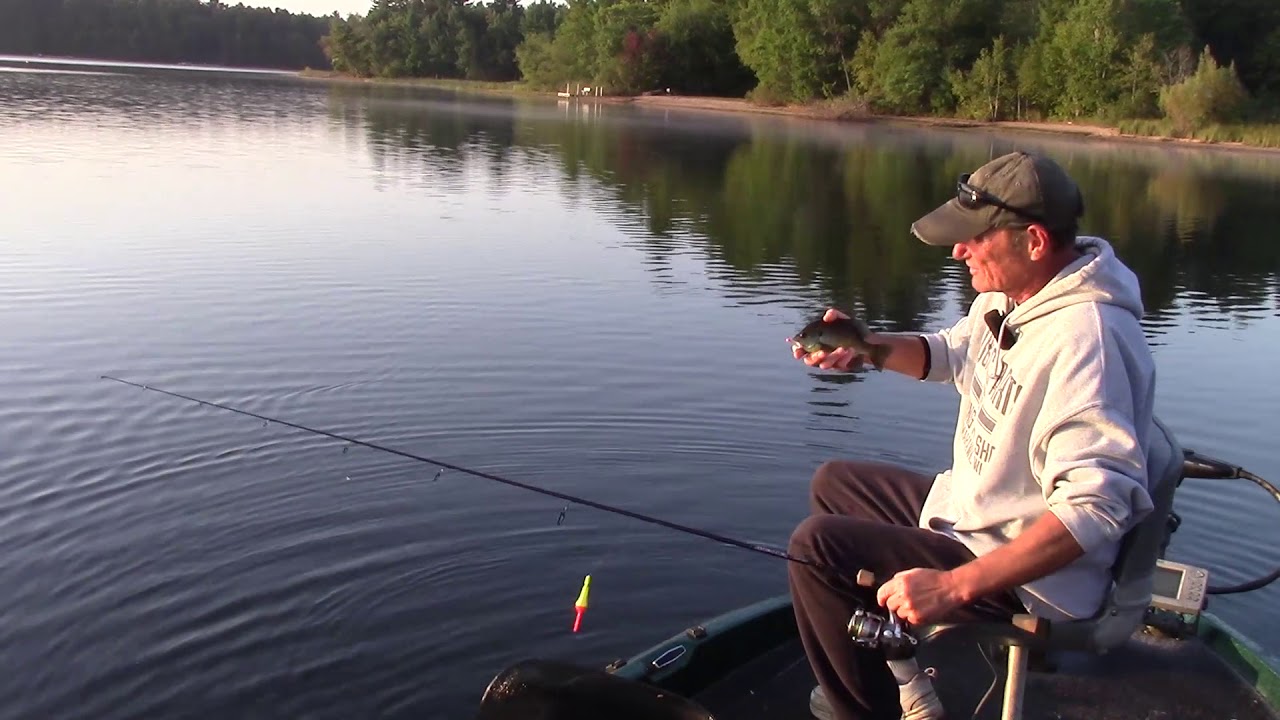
{"x":921,"y":595}
{"x":838,"y":359}
{"x":907,"y":357}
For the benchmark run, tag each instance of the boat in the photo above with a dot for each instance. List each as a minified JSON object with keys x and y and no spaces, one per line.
{"x":1153,"y":651}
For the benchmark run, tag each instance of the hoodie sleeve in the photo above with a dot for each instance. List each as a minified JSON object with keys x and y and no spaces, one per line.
{"x":947,"y":351}
{"x":1088,"y":453}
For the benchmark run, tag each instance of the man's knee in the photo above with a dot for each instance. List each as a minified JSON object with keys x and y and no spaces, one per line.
{"x":830,"y":477}
{"x":802,"y":538}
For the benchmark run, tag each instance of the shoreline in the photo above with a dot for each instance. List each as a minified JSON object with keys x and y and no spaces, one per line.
{"x":833,"y":113}
{"x":829,"y":111}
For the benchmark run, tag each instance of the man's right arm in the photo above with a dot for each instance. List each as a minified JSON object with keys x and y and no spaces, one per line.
{"x":910,"y":355}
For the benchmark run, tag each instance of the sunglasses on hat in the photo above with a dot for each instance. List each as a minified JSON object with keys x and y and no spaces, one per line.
{"x":972,"y":198}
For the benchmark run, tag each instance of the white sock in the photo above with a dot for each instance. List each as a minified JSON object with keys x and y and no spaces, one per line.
{"x":904,"y":670}
{"x":915,"y":691}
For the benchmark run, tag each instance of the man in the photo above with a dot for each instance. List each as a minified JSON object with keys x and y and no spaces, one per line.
{"x":1049,"y":456}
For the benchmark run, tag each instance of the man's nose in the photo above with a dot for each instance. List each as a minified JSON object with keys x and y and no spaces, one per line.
{"x":959,"y":250}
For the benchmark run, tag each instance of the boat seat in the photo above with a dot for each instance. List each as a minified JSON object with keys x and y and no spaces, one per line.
{"x":1125,"y":605}
{"x":553,"y":690}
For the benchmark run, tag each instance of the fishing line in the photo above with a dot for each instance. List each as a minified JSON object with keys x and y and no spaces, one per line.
{"x":753,"y":547}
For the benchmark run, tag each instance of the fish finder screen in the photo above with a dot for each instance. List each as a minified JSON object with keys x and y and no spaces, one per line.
{"x":1167,"y":582}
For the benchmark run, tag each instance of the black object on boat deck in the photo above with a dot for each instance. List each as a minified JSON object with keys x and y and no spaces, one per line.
{"x":548,"y":690}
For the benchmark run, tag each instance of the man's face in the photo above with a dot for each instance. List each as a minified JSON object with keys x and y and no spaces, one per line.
{"x":997,"y":260}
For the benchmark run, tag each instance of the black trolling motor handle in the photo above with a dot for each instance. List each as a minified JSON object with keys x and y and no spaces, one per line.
{"x":1195,"y":465}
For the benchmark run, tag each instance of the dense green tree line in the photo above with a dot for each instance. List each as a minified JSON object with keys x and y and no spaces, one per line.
{"x":438,"y":38}
{"x":1193,"y":61}
{"x":167,"y":31}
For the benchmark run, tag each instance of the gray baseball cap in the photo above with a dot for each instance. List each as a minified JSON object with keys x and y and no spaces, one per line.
{"x":1015,"y":189}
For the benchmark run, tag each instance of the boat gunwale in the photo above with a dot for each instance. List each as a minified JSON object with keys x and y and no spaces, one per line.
{"x":1254,"y":665}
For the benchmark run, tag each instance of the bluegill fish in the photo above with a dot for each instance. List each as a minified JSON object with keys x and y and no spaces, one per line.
{"x":841,"y":333}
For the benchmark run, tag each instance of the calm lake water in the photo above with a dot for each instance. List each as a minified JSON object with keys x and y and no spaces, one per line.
{"x":590,"y":299}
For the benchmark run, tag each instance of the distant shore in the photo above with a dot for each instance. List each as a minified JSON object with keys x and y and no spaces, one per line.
{"x":818,"y":110}
{"x":835,"y":111}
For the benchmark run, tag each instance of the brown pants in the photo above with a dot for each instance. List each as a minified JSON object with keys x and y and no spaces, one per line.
{"x":865,"y":516}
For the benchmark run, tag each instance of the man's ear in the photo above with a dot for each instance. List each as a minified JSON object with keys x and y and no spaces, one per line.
{"x":1039,"y":244}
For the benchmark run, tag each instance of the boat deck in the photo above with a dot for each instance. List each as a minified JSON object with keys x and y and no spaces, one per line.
{"x":1146,"y":679}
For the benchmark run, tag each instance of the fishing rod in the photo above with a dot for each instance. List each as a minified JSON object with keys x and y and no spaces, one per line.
{"x":753,"y":547}
{"x":866,"y":628}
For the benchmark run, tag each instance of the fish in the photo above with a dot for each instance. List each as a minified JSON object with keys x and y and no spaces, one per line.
{"x":841,"y":333}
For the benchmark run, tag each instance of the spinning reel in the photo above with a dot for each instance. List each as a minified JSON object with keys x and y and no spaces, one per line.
{"x":872,"y":630}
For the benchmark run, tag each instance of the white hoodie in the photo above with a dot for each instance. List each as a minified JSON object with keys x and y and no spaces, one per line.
{"x":1059,"y":422}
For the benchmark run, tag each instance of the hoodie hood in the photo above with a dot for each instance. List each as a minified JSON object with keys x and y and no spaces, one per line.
{"x":1097,"y":276}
